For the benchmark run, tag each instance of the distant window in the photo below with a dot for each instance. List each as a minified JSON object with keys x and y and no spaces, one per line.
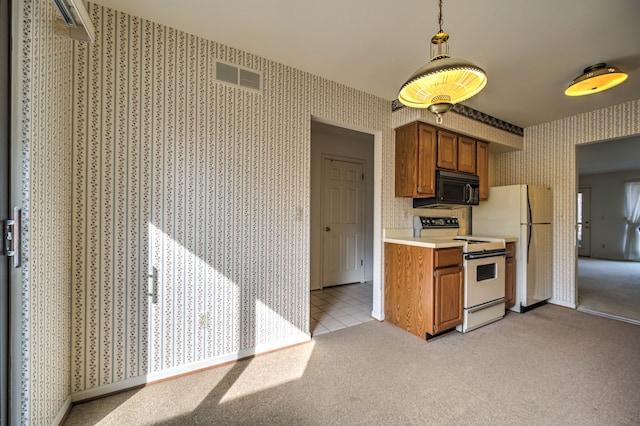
{"x":632,"y":216}
{"x":579,"y":219}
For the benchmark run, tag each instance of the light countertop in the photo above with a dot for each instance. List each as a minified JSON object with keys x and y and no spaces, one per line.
{"x":405,"y":236}
{"x":490,"y":237}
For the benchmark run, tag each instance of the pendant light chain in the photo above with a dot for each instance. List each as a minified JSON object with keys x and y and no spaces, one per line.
{"x":440,"y":15}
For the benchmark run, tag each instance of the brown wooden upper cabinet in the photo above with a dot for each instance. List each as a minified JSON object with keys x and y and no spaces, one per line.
{"x":447,"y":150}
{"x":421,"y":149}
{"x":466,"y":155}
{"x":416,"y":160}
{"x":482,"y":168}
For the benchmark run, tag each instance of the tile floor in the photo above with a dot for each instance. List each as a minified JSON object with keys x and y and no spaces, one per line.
{"x":333,"y":308}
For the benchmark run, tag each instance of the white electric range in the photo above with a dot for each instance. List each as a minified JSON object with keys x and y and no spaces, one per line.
{"x":484,"y":270}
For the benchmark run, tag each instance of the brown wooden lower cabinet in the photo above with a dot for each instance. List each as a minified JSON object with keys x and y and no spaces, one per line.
{"x":510,"y":276}
{"x":448,"y":298}
{"x":423,"y":288}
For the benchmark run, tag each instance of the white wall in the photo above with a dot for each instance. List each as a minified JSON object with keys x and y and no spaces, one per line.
{"x":191,"y":220}
{"x":608,"y":226}
{"x":549,"y":158}
{"x":331,"y":140}
{"x":42,"y":156}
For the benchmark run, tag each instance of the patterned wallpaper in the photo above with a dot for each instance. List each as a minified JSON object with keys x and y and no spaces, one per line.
{"x":549,"y":158}
{"x":190,"y":201}
{"x":45,"y":84}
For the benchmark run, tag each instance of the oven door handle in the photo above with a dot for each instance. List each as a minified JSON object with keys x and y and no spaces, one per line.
{"x":472,"y":256}
{"x":486,"y":305}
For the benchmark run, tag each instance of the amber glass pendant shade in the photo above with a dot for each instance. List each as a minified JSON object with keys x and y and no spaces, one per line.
{"x":442,"y":82}
{"x":445,"y":80}
{"x":595,"y":78}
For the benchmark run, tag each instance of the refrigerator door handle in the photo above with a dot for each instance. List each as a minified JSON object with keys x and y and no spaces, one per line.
{"x":529,"y":207}
{"x":529,"y":231}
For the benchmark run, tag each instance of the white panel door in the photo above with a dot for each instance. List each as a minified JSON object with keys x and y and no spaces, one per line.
{"x":343,"y":218}
{"x":584,"y":222}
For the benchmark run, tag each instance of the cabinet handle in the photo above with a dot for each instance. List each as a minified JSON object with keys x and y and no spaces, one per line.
{"x":486,"y":305}
{"x":327,"y":229}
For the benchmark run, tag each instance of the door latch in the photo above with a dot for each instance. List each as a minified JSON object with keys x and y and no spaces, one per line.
{"x":11,"y":236}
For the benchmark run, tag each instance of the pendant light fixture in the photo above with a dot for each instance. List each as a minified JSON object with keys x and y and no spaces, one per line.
{"x":444,"y":81}
{"x":595,"y":78}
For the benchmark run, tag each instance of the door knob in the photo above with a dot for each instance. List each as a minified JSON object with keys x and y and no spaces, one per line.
{"x":327,"y":229}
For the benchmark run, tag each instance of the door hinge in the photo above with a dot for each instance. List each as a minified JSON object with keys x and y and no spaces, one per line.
{"x":361,"y":262}
{"x":363,"y":176}
{"x":11,"y":237}
{"x":435,"y":328}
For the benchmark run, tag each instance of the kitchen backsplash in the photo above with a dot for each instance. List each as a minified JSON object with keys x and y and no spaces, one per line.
{"x":463,"y":215}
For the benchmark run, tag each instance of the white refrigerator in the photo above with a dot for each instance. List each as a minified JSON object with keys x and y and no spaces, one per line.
{"x":524,"y":212}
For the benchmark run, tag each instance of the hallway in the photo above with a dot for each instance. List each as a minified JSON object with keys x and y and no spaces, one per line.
{"x":341,"y":306}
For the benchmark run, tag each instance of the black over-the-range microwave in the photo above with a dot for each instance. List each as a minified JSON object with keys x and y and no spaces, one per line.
{"x":453,"y":189}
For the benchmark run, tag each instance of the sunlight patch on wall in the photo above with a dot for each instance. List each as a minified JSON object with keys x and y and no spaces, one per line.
{"x":188,"y":312}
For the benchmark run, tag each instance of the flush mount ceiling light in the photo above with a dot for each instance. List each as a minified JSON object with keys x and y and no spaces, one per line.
{"x":442,"y":82}
{"x":596,"y":78}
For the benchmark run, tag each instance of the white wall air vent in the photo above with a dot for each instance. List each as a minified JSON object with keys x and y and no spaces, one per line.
{"x":74,"y":21}
{"x":226,"y":73}
{"x":236,"y":76}
{"x":250,"y":79}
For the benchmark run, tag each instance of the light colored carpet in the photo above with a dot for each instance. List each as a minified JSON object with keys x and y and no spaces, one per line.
{"x":549,"y":366}
{"x":610,"y":287}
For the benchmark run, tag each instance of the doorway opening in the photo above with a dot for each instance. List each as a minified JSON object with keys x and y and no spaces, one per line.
{"x":5,"y":175}
{"x":608,"y":273}
{"x":342,"y":236}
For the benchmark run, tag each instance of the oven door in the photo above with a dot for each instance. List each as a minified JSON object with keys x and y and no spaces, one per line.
{"x":483,"y":278}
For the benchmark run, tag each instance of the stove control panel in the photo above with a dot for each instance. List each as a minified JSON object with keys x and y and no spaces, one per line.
{"x":435,"y":222}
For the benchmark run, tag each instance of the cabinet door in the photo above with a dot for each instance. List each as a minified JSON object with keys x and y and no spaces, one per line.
{"x":482,"y":167}
{"x":466,"y":155}
{"x":394,"y":284}
{"x":419,"y":274}
{"x":407,"y":287}
{"x":447,"y":150}
{"x":405,"y":162}
{"x":426,"y":174}
{"x":509,"y":280}
{"x":448,"y":298}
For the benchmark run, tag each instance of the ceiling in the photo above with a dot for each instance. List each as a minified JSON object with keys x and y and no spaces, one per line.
{"x":531,"y":50}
